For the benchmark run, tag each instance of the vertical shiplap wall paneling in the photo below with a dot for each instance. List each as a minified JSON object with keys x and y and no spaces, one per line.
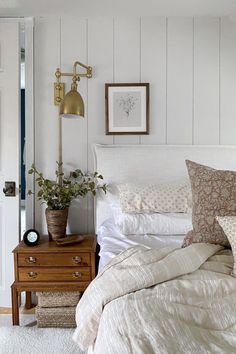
{"x":228,"y":81}
{"x":100,"y":57}
{"x":74,"y":131}
{"x":189,"y":63}
{"x":206,"y":81}
{"x":179,"y":80}
{"x":127,"y":60}
{"x":153,"y":70}
{"x":74,"y":48}
{"x":47,"y":59}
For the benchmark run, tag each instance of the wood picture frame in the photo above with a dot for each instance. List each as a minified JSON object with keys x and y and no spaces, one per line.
{"x":127,"y":108}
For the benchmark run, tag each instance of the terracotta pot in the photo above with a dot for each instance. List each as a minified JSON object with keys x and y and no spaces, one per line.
{"x":56,"y":222}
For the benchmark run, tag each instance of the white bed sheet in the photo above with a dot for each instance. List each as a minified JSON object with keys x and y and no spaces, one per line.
{"x":112,"y":241}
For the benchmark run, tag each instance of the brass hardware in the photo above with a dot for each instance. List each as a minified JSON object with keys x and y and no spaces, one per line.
{"x":31,"y":259}
{"x":10,"y":189}
{"x":59,"y":93}
{"x":72,"y":103}
{"x":76,"y":259}
{"x":77,"y":275}
{"x":32,"y":274}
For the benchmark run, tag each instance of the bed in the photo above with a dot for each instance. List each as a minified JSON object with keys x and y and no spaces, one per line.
{"x":151,"y":296}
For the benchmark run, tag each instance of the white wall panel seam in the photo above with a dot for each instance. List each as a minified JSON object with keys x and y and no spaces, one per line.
{"x":87,"y":87}
{"x":166,"y":79}
{"x":59,"y":119}
{"x":127,"y":66}
{"x":219,"y":80}
{"x":60,"y":44}
{"x":140,"y":60}
{"x":113,"y":49}
{"x":193,"y":77}
{"x":87,"y":109}
{"x":113,"y":59}
{"x":140,"y":49}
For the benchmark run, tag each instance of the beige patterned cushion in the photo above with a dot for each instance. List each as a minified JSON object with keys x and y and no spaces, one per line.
{"x":160,"y":198}
{"x":228,"y":224}
{"x":213,"y":193}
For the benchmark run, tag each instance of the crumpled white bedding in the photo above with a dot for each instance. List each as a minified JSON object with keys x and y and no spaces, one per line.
{"x":112,"y":241}
{"x":152,"y":223}
{"x":161,"y":301}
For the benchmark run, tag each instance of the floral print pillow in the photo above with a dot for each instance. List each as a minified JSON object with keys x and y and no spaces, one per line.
{"x":213,"y":194}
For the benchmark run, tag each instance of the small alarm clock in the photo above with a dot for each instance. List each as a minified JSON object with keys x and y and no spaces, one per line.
{"x":31,"y":237}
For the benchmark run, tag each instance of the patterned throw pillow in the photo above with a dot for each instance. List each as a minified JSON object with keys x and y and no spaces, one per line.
{"x":213,"y":193}
{"x":228,"y":224}
{"x":156,"y":198}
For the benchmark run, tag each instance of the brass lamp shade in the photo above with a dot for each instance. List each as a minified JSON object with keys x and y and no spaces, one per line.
{"x":72,"y":105}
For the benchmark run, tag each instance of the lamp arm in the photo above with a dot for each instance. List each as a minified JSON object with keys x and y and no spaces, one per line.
{"x":88,"y":70}
{"x":80,"y":64}
{"x":88,"y":73}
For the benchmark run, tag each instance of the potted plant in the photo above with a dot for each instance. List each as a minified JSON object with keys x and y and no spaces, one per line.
{"x":58,"y":195}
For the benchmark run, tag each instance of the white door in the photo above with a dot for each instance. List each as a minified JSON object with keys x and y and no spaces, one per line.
{"x":9,"y":152}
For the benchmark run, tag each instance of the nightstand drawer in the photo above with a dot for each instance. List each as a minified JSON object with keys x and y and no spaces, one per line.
{"x":54,"y":274}
{"x":54,"y":259}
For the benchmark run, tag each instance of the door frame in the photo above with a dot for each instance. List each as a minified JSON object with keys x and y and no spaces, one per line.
{"x":28,"y":24}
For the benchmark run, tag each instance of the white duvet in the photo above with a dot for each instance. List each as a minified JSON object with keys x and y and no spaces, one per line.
{"x":161,"y":301}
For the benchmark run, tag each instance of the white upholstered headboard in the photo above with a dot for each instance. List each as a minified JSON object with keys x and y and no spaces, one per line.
{"x":152,"y":164}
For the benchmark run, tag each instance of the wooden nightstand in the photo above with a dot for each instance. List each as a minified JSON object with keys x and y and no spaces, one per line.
{"x":48,"y":267}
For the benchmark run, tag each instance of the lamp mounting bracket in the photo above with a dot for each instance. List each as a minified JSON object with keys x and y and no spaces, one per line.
{"x":59,"y":87}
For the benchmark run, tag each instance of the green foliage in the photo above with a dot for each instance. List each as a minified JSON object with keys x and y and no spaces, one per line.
{"x":59,"y":194}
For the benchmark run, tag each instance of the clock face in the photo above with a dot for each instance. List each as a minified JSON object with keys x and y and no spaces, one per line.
{"x":32,"y":236}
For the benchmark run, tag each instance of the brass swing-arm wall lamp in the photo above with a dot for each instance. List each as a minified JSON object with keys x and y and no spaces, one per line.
{"x":71,"y":104}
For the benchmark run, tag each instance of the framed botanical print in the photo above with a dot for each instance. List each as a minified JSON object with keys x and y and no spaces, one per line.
{"x":127,"y":108}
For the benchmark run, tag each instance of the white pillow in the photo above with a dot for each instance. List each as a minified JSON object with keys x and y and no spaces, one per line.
{"x":155,"y":223}
{"x":173,"y":197}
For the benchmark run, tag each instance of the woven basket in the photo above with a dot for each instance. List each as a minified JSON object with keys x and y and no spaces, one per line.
{"x":58,"y":299}
{"x":63,"y":317}
{"x":56,"y":222}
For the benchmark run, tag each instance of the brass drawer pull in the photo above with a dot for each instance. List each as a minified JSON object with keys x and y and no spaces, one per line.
{"x":76,"y":259}
{"x":32,"y":274}
{"x":77,"y":275}
{"x":31,"y":260}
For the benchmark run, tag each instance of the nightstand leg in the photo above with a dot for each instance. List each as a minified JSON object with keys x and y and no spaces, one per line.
{"x":28,"y":303}
{"x":15,"y":306}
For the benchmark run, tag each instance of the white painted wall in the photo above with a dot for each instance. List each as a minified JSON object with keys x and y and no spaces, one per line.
{"x":189,"y":63}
